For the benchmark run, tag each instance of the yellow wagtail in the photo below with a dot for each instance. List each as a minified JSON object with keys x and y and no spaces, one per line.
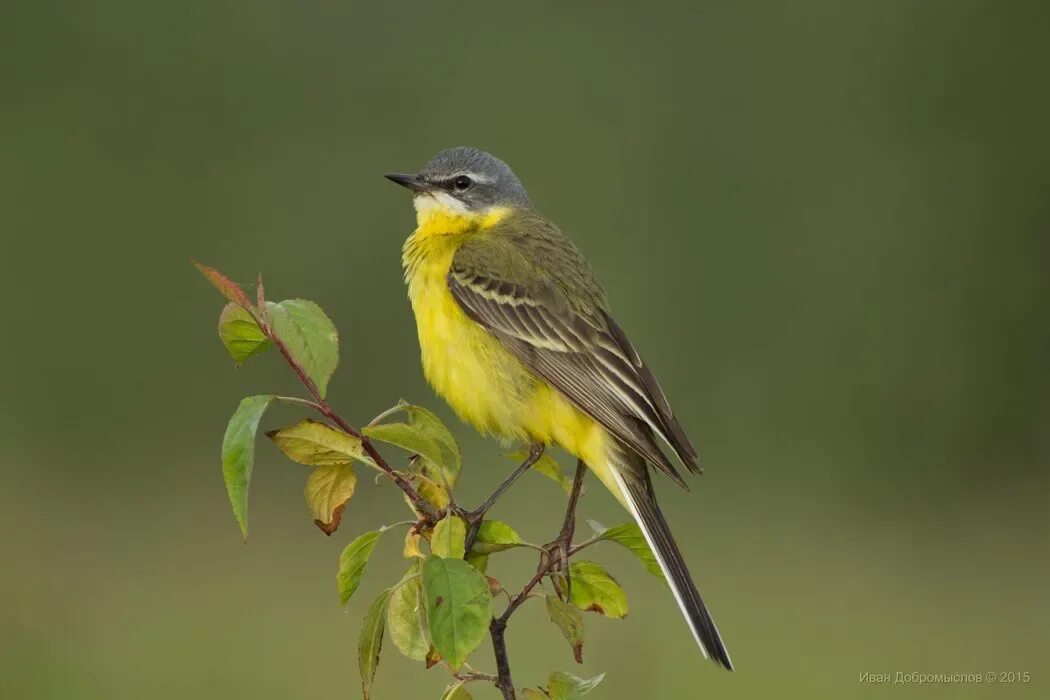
{"x":516,"y":335}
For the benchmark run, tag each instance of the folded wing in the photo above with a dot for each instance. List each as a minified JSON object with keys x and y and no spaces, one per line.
{"x":576,"y":346}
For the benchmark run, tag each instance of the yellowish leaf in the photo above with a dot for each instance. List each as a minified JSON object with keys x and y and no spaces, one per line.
{"x":412,"y":542}
{"x":448,"y":538}
{"x":316,"y":444}
{"x":328,"y":489}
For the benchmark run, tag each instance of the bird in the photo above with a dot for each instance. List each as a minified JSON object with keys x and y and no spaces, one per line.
{"x":516,"y":335}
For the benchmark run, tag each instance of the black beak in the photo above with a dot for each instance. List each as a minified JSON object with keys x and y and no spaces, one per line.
{"x":409,"y":180}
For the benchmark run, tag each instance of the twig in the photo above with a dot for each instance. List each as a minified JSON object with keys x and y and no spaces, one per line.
{"x":476,"y":516}
{"x":583,"y":545}
{"x":421,"y":505}
{"x":569,"y":525}
{"x":468,"y":676}
{"x":535,"y":452}
{"x":498,"y":625}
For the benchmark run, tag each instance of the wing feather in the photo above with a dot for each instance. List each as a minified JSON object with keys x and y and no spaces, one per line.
{"x":588,"y":359}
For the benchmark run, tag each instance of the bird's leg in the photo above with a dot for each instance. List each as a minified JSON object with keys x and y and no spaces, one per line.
{"x":476,"y":516}
{"x":559,"y":549}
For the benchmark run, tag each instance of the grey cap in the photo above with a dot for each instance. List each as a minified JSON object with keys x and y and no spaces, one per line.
{"x":476,"y":178}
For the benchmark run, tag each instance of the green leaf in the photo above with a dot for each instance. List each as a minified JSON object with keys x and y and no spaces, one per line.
{"x":227,"y":287}
{"x":446,"y":469}
{"x":370,"y":642}
{"x":352,"y":563}
{"x":456,"y":691}
{"x":241,"y":335}
{"x":448,"y":538}
{"x":310,"y":337}
{"x":545,"y":465}
{"x":424,"y":435}
{"x":495,"y":536}
{"x":459,"y":607}
{"x":328,"y":489}
{"x":316,"y":444}
{"x":533,"y":694}
{"x":569,"y":621}
{"x":406,"y":616}
{"x":405,"y":436}
{"x":565,"y":686}
{"x":238,"y":453}
{"x":630,"y":536}
{"x":594,"y":590}
{"x":478,"y":561}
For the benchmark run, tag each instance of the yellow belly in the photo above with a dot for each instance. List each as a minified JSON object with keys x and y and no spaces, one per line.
{"x":486,"y":385}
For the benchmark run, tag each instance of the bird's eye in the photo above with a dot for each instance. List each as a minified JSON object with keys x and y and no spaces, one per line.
{"x":462,"y":183}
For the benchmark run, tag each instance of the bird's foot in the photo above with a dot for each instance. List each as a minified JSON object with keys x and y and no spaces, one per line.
{"x":556,"y":555}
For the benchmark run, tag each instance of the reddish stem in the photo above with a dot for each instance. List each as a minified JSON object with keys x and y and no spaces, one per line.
{"x":421,"y":505}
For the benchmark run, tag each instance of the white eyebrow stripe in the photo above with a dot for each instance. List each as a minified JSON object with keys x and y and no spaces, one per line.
{"x":476,"y":177}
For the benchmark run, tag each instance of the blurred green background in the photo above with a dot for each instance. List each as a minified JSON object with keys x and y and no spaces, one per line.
{"x":824,"y":224}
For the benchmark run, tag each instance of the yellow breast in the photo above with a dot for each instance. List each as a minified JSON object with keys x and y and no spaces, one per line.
{"x":482,"y":382}
{"x":486,"y":385}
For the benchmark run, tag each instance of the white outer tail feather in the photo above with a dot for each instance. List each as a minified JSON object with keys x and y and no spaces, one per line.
{"x":660,"y":559}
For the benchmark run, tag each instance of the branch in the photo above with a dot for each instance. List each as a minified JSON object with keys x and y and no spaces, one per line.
{"x":555,"y":554}
{"x":476,"y":516}
{"x":421,"y":505}
{"x":468,"y":676}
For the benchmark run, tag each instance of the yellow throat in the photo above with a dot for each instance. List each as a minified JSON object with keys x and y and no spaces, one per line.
{"x":442,"y":224}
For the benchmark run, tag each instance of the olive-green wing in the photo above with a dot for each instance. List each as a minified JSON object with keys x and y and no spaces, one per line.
{"x":570,"y":342}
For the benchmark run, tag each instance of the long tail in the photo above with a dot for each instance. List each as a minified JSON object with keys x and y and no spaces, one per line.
{"x":632,"y":476}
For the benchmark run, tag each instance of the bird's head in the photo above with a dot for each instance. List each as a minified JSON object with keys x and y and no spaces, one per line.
{"x":463,"y":183}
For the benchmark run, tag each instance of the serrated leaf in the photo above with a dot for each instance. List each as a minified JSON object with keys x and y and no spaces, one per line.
{"x":456,"y":691}
{"x":565,"y":686}
{"x":310,"y":337}
{"x":424,"y":435}
{"x":370,"y":641}
{"x":594,"y":590}
{"x":412,"y":545}
{"x":459,"y":607}
{"x":353,"y":562}
{"x":495,"y":536}
{"x":630,"y":536}
{"x":569,"y":620}
{"x":448,"y":538}
{"x":328,"y":489}
{"x":406,"y":616}
{"x":545,"y":465}
{"x":316,"y":444}
{"x":240,"y":334}
{"x":238,"y":453}
{"x":227,"y":287}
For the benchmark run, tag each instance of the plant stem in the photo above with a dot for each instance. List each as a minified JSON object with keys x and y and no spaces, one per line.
{"x":322,"y":406}
{"x":569,"y":525}
{"x":535,"y":452}
{"x":475,"y":516}
{"x":498,"y":625}
{"x":498,"y":630}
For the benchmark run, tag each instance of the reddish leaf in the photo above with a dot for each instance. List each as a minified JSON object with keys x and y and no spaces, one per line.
{"x":227,"y":287}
